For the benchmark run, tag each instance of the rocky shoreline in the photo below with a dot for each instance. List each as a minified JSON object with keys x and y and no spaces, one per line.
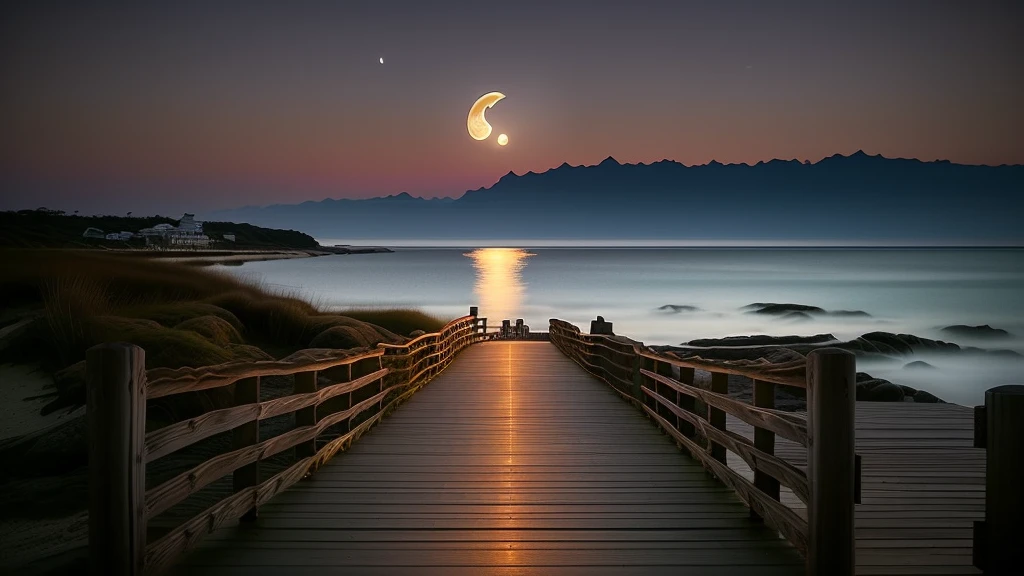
{"x":873,"y":346}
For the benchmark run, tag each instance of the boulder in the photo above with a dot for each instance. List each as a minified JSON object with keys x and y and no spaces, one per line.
{"x":416,"y":333}
{"x":918,"y":365}
{"x":763,"y":340}
{"x":926,"y":398}
{"x":774,"y":309}
{"x":983,"y":331}
{"x":676,"y":308}
{"x":879,"y":391}
{"x":849,"y":314}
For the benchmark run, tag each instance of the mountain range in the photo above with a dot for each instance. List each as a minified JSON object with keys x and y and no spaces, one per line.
{"x":844,"y":198}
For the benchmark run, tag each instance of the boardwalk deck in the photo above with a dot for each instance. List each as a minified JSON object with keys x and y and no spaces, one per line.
{"x":513,"y":461}
{"x":923,"y":485}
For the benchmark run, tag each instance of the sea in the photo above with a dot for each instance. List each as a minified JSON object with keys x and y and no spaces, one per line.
{"x":671,"y":295}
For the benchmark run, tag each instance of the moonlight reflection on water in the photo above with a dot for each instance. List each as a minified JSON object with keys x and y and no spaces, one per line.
{"x":499,"y":286}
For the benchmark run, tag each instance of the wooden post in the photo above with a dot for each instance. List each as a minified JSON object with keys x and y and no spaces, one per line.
{"x":638,"y":378}
{"x":764,"y":440}
{"x":1000,"y":551}
{"x":831,"y":381}
{"x":247,"y":391}
{"x":719,"y":385}
{"x":473,"y":310}
{"x":305,"y":382}
{"x":116,"y":417}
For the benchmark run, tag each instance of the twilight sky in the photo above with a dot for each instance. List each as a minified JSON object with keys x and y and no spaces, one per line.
{"x":205,"y":105}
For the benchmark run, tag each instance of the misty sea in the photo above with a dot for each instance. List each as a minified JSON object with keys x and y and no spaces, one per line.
{"x":914,"y":291}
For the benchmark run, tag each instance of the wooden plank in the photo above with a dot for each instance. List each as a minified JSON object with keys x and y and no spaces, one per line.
{"x":512,"y":443}
{"x":785,"y":424}
{"x":167,"y":381}
{"x":778,"y":468}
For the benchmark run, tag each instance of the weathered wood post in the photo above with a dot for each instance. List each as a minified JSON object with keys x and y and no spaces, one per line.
{"x":764,"y":440}
{"x":997,"y":540}
{"x":599,"y":326}
{"x":715,"y":416}
{"x":305,"y":382}
{"x":831,"y":382}
{"x":116,"y":416}
{"x":247,"y":391}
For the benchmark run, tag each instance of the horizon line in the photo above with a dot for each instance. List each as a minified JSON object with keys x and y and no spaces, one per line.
{"x":665,"y":243}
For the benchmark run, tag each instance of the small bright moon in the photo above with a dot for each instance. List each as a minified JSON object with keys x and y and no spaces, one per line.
{"x":381,"y":59}
{"x":502,"y":139}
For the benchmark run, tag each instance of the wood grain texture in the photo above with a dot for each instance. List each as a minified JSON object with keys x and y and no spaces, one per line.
{"x":168,"y":439}
{"x":923,"y":486}
{"x":831,"y":384}
{"x":779,"y":469}
{"x":167,"y":381}
{"x":116,"y":413}
{"x":512,"y":461}
{"x":785,"y":424}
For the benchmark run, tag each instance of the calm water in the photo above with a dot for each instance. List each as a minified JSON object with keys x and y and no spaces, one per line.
{"x":908,"y":291}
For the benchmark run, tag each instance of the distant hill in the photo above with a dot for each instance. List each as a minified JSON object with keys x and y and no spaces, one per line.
{"x":840,"y":197}
{"x":55,"y":229}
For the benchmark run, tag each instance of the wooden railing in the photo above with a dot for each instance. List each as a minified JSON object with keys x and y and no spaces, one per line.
{"x":999,"y":429}
{"x":663,"y":387}
{"x":335,"y":398}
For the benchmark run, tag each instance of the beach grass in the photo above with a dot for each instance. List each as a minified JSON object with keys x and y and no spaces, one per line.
{"x":182,"y":315}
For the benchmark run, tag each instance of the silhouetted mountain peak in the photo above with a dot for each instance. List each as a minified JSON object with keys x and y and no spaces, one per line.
{"x":563,"y":165}
{"x":609,"y":161}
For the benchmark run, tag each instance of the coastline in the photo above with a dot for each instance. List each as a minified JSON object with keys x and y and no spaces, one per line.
{"x":230,"y":257}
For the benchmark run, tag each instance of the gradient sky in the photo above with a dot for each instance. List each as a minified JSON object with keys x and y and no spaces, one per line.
{"x":204,"y":105}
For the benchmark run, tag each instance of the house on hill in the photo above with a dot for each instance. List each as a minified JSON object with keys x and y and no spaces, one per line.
{"x":187,"y":234}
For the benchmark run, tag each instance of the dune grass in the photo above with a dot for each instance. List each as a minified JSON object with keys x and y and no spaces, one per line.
{"x":401,"y":320}
{"x":182,"y":315}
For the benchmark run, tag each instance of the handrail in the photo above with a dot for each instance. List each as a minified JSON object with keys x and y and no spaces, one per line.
{"x":663,"y":386}
{"x":120,"y":506}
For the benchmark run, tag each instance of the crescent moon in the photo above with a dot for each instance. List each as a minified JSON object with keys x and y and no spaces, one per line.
{"x":478,"y":127}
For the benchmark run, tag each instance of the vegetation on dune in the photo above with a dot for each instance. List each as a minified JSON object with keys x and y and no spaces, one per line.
{"x":181,"y":315}
{"x":402,"y":321}
{"x":44,"y":228}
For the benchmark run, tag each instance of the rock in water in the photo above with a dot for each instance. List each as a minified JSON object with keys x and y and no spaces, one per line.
{"x":983,"y":331}
{"x":678,"y":308}
{"x":918,"y":365}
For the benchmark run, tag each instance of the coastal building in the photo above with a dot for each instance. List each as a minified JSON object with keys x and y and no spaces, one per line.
{"x":188,"y":233}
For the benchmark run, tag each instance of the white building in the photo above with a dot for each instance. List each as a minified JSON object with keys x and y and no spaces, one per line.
{"x":188,"y":233}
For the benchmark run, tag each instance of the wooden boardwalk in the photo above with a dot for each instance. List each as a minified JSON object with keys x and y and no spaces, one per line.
{"x":923,"y":486}
{"x":513,"y":461}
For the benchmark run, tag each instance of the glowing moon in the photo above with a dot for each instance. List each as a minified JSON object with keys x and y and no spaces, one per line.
{"x":502,"y":139}
{"x":478,"y":127}
{"x":381,"y":59}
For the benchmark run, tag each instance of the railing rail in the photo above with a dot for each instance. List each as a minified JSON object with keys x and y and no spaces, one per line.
{"x":343,"y":391}
{"x":663,"y":386}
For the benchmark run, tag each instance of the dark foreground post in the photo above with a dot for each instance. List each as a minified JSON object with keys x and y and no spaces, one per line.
{"x":831,"y":378}
{"x":599,"y":326}
{"x":997,"y":542}
{"x":116,"y":416}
